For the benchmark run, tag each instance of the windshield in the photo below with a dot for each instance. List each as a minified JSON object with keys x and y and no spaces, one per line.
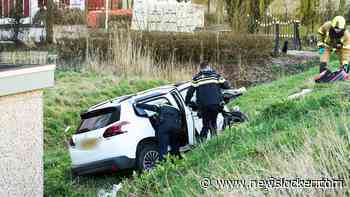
{"x":98,"y":119}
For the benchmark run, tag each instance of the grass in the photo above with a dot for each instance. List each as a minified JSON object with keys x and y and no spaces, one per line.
{"x":73,"y":93}
{"x":306,"y":138}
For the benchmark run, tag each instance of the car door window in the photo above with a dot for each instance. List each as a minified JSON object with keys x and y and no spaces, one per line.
{"x":158,"y":102}
{"x":184,"y":93}
{"x":178,"y":101}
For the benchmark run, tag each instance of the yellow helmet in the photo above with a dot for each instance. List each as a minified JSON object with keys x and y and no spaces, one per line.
{"x":339,"y":22}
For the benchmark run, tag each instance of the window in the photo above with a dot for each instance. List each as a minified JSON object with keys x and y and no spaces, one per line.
{"x":178,"y":101}
{"x":184,"y":93}
{"x":158,"y":102}
{"x":117,"y":4}
{"x":98,"y":119}
{"x":154,"y":101}
{"x":42,"y":3}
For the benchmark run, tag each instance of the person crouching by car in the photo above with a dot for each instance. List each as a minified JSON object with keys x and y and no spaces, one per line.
{"x":207,"y":84}
{"x":168,"y":128}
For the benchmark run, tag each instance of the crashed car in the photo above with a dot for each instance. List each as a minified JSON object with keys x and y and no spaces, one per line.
{"x":116,"y":135}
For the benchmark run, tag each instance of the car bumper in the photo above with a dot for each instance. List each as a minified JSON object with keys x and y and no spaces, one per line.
{"x":113,"y":164}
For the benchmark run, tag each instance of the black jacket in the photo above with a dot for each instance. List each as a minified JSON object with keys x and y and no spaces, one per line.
{"x":207,"y":84}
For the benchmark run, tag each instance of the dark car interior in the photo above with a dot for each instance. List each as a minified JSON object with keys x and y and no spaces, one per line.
{"x":153,"y":117}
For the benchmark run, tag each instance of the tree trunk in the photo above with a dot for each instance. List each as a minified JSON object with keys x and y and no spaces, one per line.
{"x":49,"y":22}
{"x":208,"y":6}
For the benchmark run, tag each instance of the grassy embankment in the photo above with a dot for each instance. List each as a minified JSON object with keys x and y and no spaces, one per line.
{"x":73,"y":93}
{"x":306,"y":138}
{"x":285,"y":138}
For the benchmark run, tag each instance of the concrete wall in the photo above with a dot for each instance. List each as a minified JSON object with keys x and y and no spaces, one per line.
{"x":166,"y":15}
{"x":21,"y":128}
{"x":24,"y":57}
{"x":21,"y":144}
{"x":69,"y":31}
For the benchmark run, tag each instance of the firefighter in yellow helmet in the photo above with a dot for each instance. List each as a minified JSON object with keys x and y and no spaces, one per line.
{"x":334,"y":37}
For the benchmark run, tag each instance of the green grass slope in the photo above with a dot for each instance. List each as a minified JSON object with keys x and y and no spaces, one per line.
{"x":75,"y":92}
{"x":306,"y":138}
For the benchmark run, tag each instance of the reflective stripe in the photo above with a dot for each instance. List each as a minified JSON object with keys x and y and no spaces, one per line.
{"x":222,"y":80}
{"x":204,"y":79}
{"x":346,"y":47}
{"x":205,"y":82}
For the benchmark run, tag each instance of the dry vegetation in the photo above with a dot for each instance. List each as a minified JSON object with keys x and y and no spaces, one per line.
{"x":172,"y":56}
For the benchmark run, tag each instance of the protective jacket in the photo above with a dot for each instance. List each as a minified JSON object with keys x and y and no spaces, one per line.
{"x":207,"y":84}
{"x":329,"y":39}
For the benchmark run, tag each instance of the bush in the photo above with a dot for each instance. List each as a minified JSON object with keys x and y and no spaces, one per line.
{"x":182,"y":47}
{"x":71,"y":17}
{"x":220,"y":48}
{"x":62,"y":16}
{"x":115,"y":21}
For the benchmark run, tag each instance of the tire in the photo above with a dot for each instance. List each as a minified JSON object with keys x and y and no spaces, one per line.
{"x":233,"y":118}
{"x":239,"y":117}
{"x":147,"y":157}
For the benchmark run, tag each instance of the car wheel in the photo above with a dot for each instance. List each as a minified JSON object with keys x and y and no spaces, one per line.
{"x":147,"y":157}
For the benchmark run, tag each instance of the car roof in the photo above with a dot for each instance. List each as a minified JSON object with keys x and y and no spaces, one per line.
{"x":183,"y":85}
{"x":147,"y":94}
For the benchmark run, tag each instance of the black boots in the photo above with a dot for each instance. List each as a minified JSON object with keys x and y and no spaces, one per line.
{"x":323,"y":67}
{"x":347,"y":68}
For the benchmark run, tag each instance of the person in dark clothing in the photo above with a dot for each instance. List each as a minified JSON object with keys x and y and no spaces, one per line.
{"x":169,"y":125}
{"x":208,"y":85}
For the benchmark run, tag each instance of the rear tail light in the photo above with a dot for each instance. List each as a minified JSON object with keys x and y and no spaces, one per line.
{"x":115,"y":129}
{"x":71,"y":142}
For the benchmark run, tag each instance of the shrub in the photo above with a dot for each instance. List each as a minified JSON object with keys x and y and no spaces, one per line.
{"x":183,"y":47}
{"x":62,"y":16}
{"x":115,"y":21}
{"x":72,"y":17}
{"x":216,"y":47}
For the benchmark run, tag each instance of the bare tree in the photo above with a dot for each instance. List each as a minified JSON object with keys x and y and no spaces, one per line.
{"x":49,"y":21}
{"x":16,"y":16}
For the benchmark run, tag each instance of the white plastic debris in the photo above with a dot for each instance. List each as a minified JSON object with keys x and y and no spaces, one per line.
{"x":300,"y":94}
{"x":113,"y":193}
{"x":236,"y":91}
{"x":116,"y":188}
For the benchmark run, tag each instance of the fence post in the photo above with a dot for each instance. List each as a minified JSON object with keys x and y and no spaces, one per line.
{"x":296,"y":39}
{"x":277,"y":39}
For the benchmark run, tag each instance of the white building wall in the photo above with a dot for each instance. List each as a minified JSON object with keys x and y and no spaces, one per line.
{"x":167,"y":16}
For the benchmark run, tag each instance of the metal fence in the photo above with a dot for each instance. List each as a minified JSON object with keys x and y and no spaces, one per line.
{"x":282,"y":31}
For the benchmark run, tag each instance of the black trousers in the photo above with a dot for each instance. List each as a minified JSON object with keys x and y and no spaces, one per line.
{"x":168,"y":137}
{"x":209,"y":118}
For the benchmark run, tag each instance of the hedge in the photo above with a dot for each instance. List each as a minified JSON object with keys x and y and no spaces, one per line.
{"x":184,"y":47}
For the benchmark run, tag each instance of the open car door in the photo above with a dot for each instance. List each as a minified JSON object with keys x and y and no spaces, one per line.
{"x":187,"y":114}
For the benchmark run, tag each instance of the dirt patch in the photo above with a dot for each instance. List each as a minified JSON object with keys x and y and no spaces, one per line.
{"x":269,"y":69}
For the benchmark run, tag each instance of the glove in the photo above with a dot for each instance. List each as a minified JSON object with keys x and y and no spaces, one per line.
{"x":321,"y":50}
{"x":339,"y":46}
{"x":321,"y":45}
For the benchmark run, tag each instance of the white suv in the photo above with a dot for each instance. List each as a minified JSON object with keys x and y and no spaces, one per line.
{"x":115,"y":135}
